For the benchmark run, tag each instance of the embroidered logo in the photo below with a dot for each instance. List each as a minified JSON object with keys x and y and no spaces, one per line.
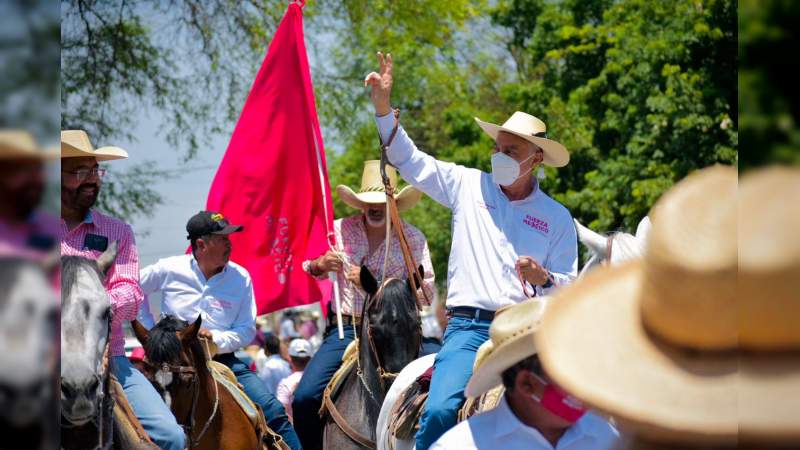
{"x":217,"y":217}
{"x":536,"y":224}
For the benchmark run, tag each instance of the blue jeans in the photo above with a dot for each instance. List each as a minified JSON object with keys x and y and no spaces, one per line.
{"x":308,"y":395}
{"x":452,"y":369}
{"x":254,"y":388}
{"x":154,"y":415}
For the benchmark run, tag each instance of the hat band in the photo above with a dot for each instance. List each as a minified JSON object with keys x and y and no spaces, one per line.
{"x":541,"y":134}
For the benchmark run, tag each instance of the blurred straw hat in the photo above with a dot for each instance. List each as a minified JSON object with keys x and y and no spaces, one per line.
{"x":372,"y":191}
{"x":20,"y":144}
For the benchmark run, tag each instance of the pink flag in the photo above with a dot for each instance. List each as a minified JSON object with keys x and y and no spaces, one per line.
{"x":273,"y":178}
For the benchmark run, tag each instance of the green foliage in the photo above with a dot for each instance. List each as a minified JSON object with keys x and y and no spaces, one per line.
{"x":769,"y":98}
{"x":641,"y":92}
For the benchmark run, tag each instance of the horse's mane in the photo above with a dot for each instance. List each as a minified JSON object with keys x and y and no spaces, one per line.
{"x":69,"y":274}
{"x":163,"y":345}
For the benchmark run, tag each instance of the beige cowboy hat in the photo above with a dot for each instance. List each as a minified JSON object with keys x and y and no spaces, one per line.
{"x":532,"y":129}
{"x":76,"y":143}
{"x":372,"y":191}
{"x":698,"y":341}
{"x":510,"y":341}
{"x":20,"y":144}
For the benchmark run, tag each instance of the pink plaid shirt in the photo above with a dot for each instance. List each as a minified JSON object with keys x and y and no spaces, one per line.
{"x":122,"y":281}
{"x":351,"y":237}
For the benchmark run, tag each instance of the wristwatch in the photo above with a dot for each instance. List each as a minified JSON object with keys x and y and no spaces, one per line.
{"x":549,"y":283}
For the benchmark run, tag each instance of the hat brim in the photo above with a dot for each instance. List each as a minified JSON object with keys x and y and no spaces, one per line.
{"x":555,"y":154}
{"x":230,"y":229}
{"x":406,"y":199}
{"x":101,"y":154}
{"x":489,"y":373}
{"x":593,"y":343}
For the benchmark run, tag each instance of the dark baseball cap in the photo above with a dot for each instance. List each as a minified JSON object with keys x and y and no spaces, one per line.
{"x":209,"y":222}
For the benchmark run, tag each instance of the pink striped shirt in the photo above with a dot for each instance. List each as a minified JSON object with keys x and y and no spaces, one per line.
{"x":351,"y":237}
{"x":122,"y":281}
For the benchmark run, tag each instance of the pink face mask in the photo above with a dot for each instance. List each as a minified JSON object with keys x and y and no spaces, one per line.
{"x":560,"y":403}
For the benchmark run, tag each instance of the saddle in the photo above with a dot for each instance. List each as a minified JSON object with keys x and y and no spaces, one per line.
{"x":128,"y":427}
{"x":349,"y":360}
{"x":225,"y":377}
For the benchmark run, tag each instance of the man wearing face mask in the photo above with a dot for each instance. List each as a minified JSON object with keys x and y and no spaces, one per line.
{"x":86,"y":232}
{"x":534,"y":412}
{"x":361,"y":239}
{"x":207,"y":283}
{"x":510,"y":240}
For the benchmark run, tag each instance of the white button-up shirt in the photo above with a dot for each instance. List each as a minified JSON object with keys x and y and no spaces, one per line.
{"x":499,"y":429}
{"x":226,"y":301}
{"x":490,"y":232}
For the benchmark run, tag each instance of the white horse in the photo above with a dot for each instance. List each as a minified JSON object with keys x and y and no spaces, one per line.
{"x":28,"y":325}
{"x":615,"y":248}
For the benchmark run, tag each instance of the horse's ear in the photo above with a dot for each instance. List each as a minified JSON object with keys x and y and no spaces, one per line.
{"x":141,"y":333}
{"x":190,"y":333}
{"x":419,"y":275}
{"x":106,"y":259}
{"x":368,"y":282}
{"x":595,"y":242}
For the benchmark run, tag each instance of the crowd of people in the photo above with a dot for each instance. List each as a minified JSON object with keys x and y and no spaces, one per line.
{"x":643,"y":354}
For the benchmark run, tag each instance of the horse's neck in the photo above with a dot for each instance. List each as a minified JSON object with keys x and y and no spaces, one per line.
{"x":371,"y":381}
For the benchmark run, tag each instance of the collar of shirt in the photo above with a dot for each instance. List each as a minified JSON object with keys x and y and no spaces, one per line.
{"x":507,"y":423}
{"x":530,"y":198}
{"x":202,"y":277}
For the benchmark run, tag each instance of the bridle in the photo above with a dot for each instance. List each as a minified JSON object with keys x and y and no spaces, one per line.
{"x":189,"y":375}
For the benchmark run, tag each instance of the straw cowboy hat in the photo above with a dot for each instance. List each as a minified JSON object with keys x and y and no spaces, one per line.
{"x":510,"y":341}
{"x":20,"y":144}
{"x":75,"y":143}
{"x":531,"y":129}
{"x":696,"y":342}
{"x":372,"y":191}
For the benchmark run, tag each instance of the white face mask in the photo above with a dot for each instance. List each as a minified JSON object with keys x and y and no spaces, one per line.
{"x":505,"y":169}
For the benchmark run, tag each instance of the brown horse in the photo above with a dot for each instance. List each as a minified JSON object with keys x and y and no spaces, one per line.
{"x":178,"y":360}
{"x":389,"y":338}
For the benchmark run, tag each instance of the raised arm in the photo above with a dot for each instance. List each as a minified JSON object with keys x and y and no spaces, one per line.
{"x":440,"y":180}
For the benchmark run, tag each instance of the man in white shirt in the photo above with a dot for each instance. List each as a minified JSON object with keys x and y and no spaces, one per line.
{"x":206,"y":283}
{"x":275,"y":367}
{"x":534,"y":413}
{"x":509,"y":238}
{"x":300,"y":353}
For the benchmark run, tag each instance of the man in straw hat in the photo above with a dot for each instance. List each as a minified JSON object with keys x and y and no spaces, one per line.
{"x":509,"y":238}
{"x":86,"y":232}
{"x":24,"y":229}
{"x":696,"y":344}
{"x":362,"y":239}
{"x":534,"y":413}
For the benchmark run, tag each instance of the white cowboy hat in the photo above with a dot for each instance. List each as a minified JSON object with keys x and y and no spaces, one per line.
{"x":19,"y":144}
{"x":372,"y":191}
{"x":76,"y":143}
{"x":533,"y":130}
{"x":510,"y":341}
{"x":697,"y":341}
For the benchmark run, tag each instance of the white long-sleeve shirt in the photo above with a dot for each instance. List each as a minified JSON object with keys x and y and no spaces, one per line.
{"x":499,"y":428}
{"x":490,"y":232}
{"x":225,"y":301}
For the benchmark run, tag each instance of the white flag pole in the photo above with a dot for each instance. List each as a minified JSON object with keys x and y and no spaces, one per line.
{"x":338,"y":300}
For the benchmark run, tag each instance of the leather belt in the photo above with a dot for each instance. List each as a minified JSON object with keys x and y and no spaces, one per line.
{"x":471,"y":313}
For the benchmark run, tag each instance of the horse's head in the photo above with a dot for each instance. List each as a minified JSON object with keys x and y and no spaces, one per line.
{"x":171,"y":351}
{"x":394,"y":321}
{"x":28,"y":315}
{"x":85,"y":326}
{"x":613,"y":249}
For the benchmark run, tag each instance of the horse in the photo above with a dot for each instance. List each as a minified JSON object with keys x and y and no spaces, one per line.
{"x":615,"y":248}
{"x":178,"y":360}
{"x":28,"y":324}
{"x":88,"y":402}
{"x":390,"y":336}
